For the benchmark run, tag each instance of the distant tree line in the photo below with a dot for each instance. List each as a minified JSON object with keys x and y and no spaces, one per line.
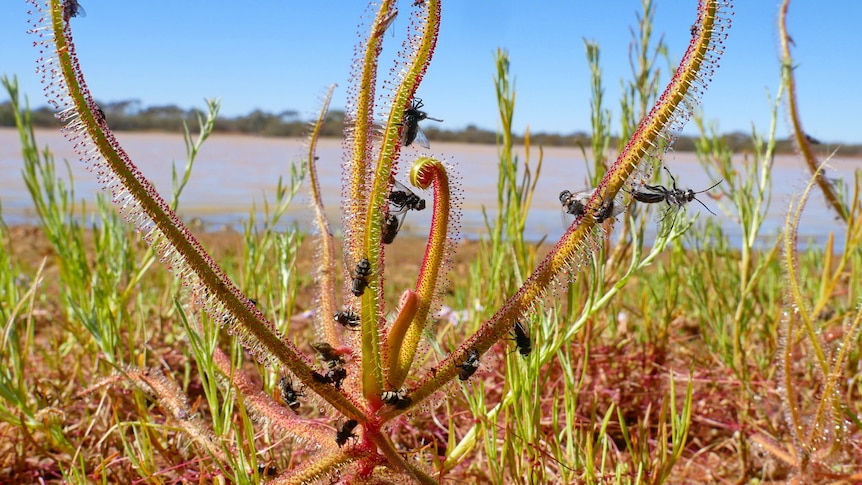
{"x":130,"y":115}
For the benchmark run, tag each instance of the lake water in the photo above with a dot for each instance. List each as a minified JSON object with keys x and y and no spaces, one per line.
{"x":234,"y":173}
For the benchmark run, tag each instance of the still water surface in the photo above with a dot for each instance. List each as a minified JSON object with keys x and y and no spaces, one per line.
{"x":234,"y":173}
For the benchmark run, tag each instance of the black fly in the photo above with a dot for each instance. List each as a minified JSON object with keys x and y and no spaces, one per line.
{"x":609,"y":209}
{"x":360,"y":277}
{"x":328,"y":353}
{"x":71,"y":8}
{"x":347,"y":318}
{"x":334,"y":376}
{"x":391,"y":226}
{"x":399,"y":399}
{"x":469,"y":366}
{"x":575,"y":203}
{"x":345,"y":432}
{"x":811,"y":139}
{"x":522,"y":339}
{"x":289,"y":395}
{"x":411,"y":131}
{"x":336,"y":372}
{"x":100,"y":118}
{"x":674,"y":197}
{"x":403,"y":199}
{"x":271,"y":470}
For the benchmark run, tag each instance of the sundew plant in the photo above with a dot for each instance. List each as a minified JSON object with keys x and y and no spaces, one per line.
{"x":363,"y":380}
{"x":343,"y":405}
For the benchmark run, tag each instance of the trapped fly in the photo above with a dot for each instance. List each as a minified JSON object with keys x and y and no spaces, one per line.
{"x":360,"y":277}
{"x":674,"y":197}
{"x":522,"y":339}
{"x":403,"y":199}
{"x":469,"y":366}
{"x":399,"y":399}
{"x":575,"y":204}
{"x":328,"y":353}
{"x":289,"y":395}
{"x":410,"y":126}
{"x":336,"y":372}
{"x":71,"y":8}
{"x":347,"y":318}
{"x":271,"y":470}
{"x":608,"y":209}
{"x":391,"y":226}
{"x":335,"y":376}
{"x":345,"y":432}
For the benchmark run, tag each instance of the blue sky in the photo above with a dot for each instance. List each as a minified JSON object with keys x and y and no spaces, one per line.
{"x":280,"y":55}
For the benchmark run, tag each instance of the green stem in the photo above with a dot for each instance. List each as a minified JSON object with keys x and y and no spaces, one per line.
{"x":371,"y":245}
{"x":143,"y":206}
{"x":325,"y":273}
{"x":801,"y":139}
{"x":426,"y":172}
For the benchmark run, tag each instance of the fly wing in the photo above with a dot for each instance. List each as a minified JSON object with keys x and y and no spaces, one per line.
{"x":619,"y":206}
{"x":421,"y":139}
{"x":71,"y":8}
{"x":583,"y":195}
{"x":580,"y":196}
{"x":399,"y":186}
